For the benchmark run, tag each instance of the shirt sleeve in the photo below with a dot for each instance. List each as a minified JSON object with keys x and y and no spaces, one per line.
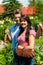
{"x":32,"y":32}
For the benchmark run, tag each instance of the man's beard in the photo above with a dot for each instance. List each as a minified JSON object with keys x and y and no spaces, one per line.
{"x":17,"y":21}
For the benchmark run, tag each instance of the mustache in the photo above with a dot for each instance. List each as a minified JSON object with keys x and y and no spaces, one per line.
{"x":17,"y":20}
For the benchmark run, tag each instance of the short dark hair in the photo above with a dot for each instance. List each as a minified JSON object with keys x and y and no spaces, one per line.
{"x":17,"y":11}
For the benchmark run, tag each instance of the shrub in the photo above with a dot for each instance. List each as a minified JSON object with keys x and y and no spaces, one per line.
{"x":6,"y":55}
{"x":39,"y":50}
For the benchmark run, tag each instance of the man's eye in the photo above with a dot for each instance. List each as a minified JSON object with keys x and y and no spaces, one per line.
{"x":17,"y":17}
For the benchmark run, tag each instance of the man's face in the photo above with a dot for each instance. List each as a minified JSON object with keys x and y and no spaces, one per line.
{"x":17,"y":18}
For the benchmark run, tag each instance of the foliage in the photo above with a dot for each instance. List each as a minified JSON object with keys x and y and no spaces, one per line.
{"x":6,"y":55}
{"x":38,"y":5}
{"x":39,"y":51}
{"x":35,"y":21}
{"x":10,"y":7}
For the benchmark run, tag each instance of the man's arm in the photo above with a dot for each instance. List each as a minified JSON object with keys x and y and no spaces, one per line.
{"x":7,"y":35}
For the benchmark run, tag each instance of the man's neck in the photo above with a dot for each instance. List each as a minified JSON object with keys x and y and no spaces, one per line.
{"x":17,"y":24}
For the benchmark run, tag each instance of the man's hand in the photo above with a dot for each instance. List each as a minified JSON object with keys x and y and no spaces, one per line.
{"x":7,"y":31}
{"x":7,"y":35}
{"x":21,"y":47}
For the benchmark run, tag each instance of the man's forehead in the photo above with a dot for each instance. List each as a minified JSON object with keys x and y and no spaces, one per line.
{"x":17,"y":15}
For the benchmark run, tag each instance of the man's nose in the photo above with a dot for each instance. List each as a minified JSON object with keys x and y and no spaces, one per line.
{"x":17,"y":18}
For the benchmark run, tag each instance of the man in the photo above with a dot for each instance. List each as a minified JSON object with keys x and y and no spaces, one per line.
{"x":10,"y":32}
{"x":13,"y":33}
